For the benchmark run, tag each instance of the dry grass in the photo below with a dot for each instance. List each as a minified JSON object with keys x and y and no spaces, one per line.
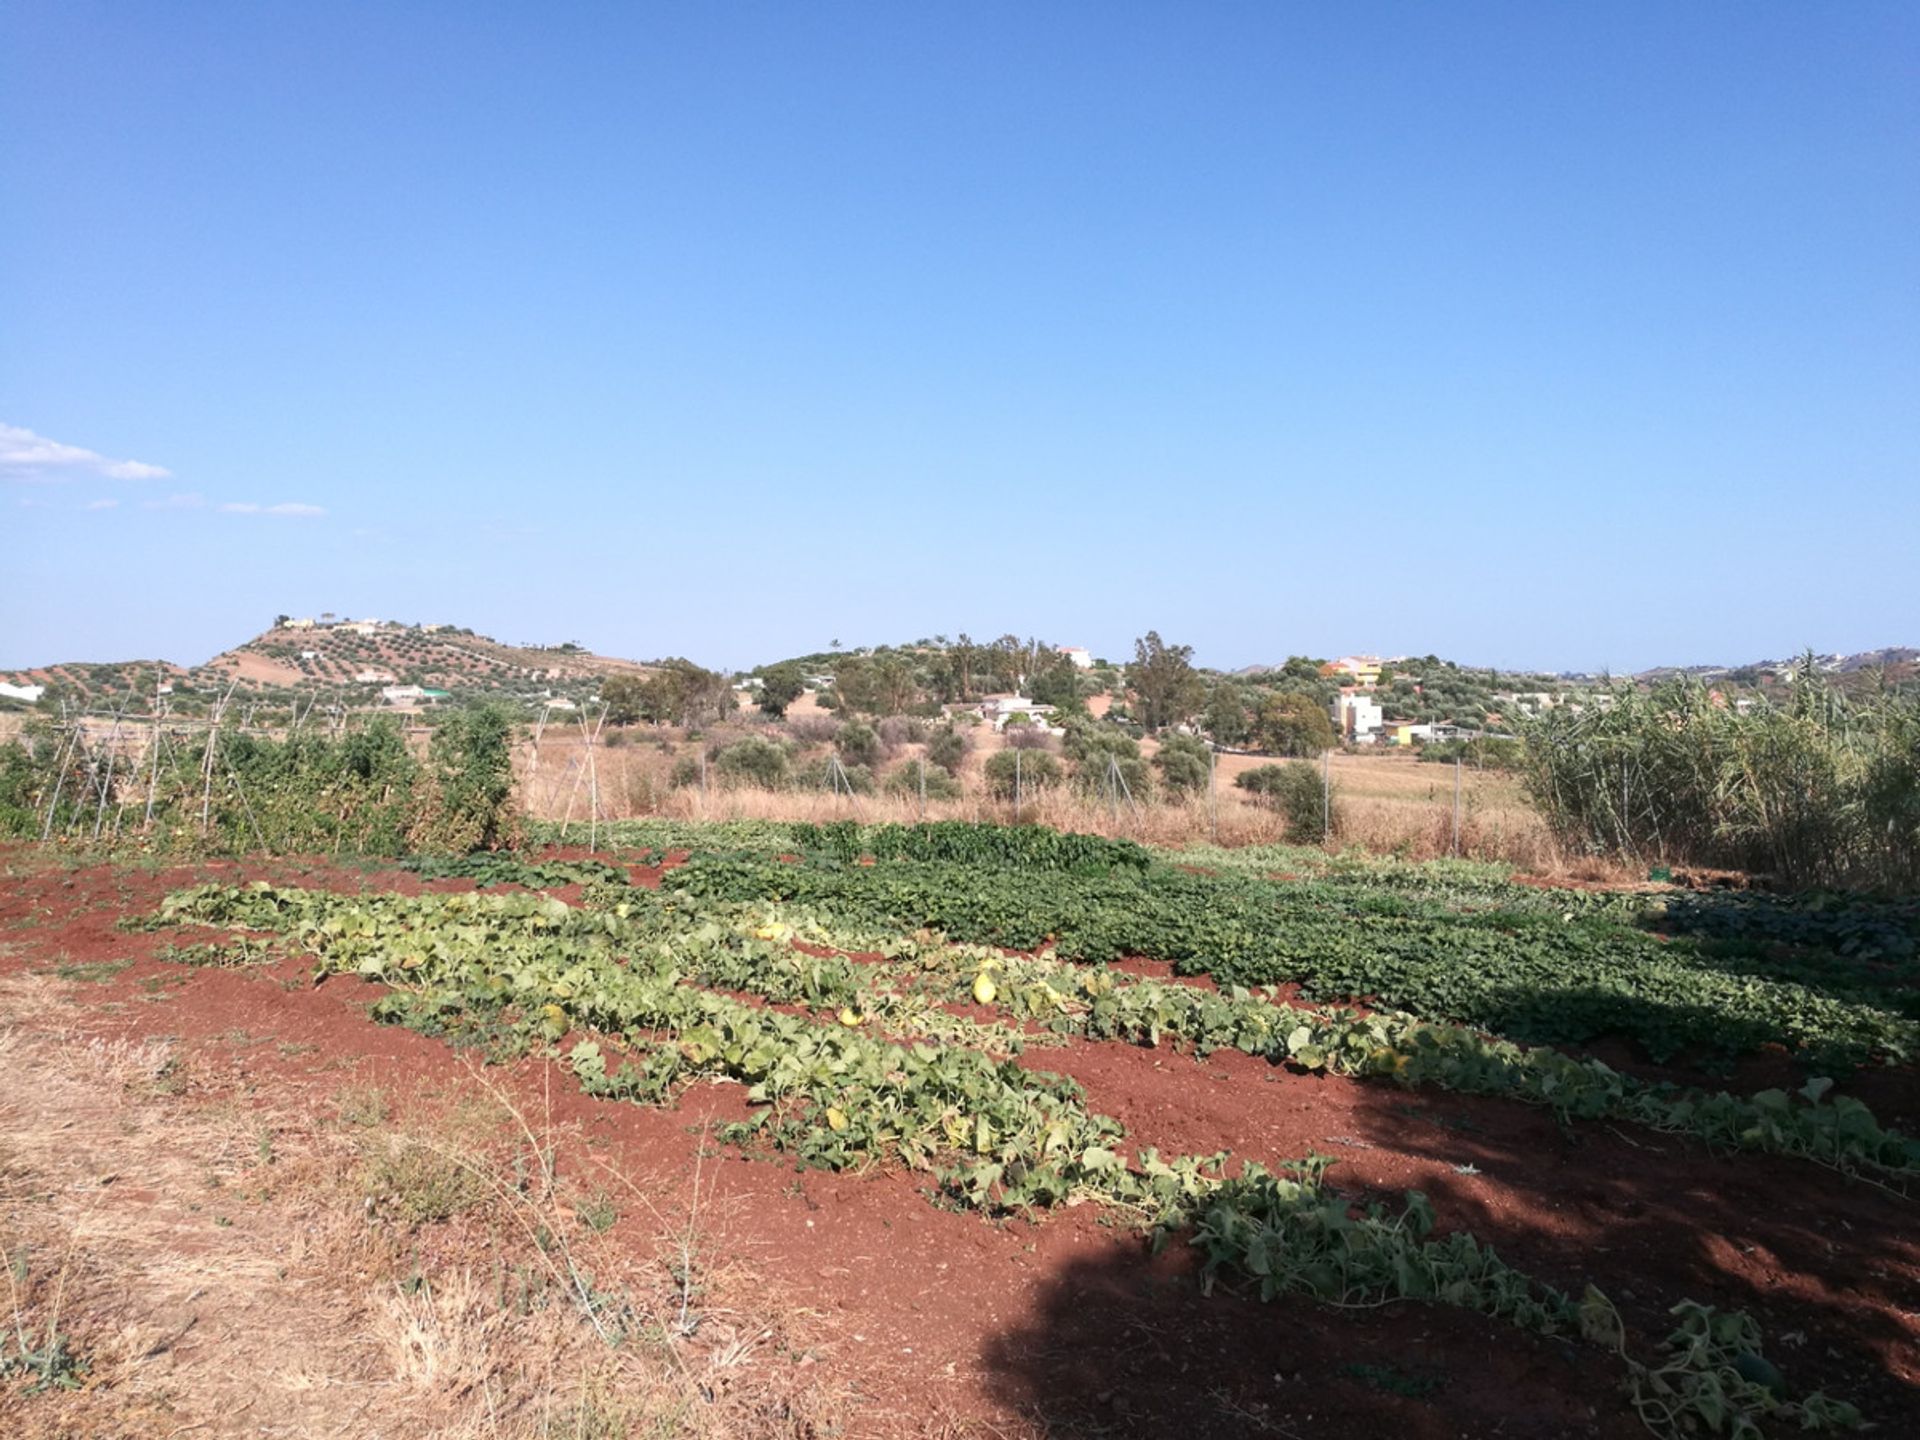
{"x":1391,"y":803}
{"x":216,"y":1263}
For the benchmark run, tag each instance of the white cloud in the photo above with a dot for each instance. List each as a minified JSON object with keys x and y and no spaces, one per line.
{"x":102,"y":504}
{"x":179,"y":502}
{"x":285,"y":507}
{"x":29,"y":457}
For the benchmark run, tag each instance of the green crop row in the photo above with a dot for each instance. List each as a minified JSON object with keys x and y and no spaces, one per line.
{"x":1532,"y":978}
{"x":751,"y":950}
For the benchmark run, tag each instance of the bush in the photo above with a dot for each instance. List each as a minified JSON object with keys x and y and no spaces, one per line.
{"x":1298,"y":792}
{"x":948,"y":749}
{"x":1027,"y":737}
{"x":898,"y":730}
{"x":817,"y":775}
{"x":940,"y":784}
{"x":857,"y":744}
{"x":1023,"y":771}
{"x":1090,"y":740}
{"x":753,"y":763}
{"x":1184,"y":763}
{"x":686,"y":773}
{"x":465,"y":797}
{"x":814,"y":729}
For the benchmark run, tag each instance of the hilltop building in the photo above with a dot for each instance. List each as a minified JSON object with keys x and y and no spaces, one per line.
{"x":1361,"y":669}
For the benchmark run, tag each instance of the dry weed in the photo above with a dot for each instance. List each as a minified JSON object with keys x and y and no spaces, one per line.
{"x":202,"y":1261}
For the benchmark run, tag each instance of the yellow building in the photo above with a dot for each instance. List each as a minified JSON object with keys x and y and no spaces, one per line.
{"x":1359,"y":669}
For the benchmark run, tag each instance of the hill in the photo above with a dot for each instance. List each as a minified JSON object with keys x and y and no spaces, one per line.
{"x":359,"y":658}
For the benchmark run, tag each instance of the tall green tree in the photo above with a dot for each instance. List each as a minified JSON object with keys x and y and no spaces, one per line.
{"x":1166,"y":688}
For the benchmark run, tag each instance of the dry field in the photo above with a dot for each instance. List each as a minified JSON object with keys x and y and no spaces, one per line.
{"x":1389,"y":802}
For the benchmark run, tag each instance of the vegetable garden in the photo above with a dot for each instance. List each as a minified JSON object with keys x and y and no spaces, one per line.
{"x":909,"y":1001}
{"x":894,"y":999}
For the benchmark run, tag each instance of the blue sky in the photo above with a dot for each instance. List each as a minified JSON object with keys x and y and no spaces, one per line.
{"x":1529,"y":334}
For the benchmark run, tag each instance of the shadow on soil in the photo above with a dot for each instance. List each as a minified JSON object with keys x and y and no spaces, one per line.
{"x":1124,"y":1344}
{"x":1121,"y":1343}
{"x":1830,"y":1267}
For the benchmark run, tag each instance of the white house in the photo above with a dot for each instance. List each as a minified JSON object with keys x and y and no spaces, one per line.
{"x":1356,"y":716}
{"x":374,"y":677}
{"x":29,"y":693}
{"x":1000,"y":711}
{"x":1081,"y":657}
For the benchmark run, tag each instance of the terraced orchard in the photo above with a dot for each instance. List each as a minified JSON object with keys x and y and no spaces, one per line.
{"x":911,"y":1001}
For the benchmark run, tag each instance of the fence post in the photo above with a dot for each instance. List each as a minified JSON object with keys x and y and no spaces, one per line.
{"x":1213,"y":799}
{"x":1326,"y":796}
{"x":1016,"y":785}
{"x":1456,"y":806}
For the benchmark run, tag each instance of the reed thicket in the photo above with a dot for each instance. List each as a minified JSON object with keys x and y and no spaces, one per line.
{"x":1821,"y":791}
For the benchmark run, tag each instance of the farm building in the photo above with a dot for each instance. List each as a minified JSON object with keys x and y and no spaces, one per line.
{"x":1081,"y":657}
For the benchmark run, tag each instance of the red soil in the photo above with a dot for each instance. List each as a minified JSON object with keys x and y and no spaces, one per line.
{"x":1068,"y":1326}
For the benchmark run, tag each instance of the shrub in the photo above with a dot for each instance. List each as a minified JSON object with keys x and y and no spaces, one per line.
{"x":1093,"y":777}
{"x":898,"y":730}
{"x":857,"y":744}
{"x":753,"y":763}
{"x":940,"y":784}
{"x":1091,"y":740}
{"x":818,"y":775}
{"x":1298,"y":792}
{"x":813,"y":729}
{"x":1184,"y":763}
{"x":1021,"y":771}
{"x":948,"y":748}
{"x":686,"y":773}
{"x":1028,"y":737}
